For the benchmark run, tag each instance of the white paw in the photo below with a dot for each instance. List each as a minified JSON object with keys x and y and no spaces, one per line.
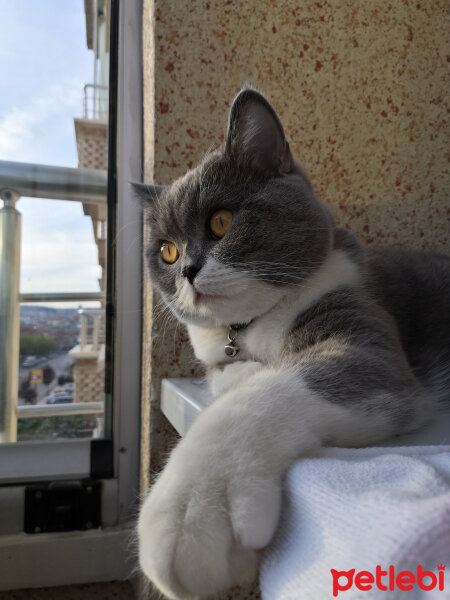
{"x":209,"y":513}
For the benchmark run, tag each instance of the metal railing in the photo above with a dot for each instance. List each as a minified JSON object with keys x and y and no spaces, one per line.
{"x":62,"y":297}
{"x":58,"y":410}
{"x":95,"y":102}
{"x":52,"y":183}
{"x":38,"y":181}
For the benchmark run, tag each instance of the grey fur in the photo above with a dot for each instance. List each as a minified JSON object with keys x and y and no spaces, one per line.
{"x":378,"y":346}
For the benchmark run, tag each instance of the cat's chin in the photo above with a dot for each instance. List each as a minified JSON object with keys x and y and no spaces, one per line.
{"x":210,"y":318}
{"x":212,"y":311}
{"x":206,"y":319}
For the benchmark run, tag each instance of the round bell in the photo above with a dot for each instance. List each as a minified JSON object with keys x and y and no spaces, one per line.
{"x":231,"y":350}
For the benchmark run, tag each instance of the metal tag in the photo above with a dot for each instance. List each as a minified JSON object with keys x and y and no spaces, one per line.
{"x":231,"y":349}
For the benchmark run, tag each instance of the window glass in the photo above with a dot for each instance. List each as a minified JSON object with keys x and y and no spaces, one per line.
{"x":61,"y":371}
{"x":53,"y":129}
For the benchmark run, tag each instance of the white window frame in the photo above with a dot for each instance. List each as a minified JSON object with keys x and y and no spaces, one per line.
{"x":103,"y":554}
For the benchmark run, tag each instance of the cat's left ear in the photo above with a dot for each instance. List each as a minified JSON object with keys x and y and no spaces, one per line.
{"x":146,"y":193}
{"x":255,"y":135}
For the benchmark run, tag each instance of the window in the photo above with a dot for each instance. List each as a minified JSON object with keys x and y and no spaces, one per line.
{"x":77,"y":418}
{"x":54,"y":224}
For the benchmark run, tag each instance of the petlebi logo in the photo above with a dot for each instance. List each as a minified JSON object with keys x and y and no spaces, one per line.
{"x":387,"y":580}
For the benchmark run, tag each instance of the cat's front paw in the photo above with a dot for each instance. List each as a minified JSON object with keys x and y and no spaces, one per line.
{"x":205,"y":519}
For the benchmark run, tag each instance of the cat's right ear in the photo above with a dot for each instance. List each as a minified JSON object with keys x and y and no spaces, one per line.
{"x":146,"y":193}
{"x":255,"y":137}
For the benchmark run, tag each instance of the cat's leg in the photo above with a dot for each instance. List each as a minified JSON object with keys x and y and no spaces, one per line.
{"x":218,"y":500}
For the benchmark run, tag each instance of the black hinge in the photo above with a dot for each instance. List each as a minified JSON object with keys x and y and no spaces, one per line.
{"x":62,"y":506}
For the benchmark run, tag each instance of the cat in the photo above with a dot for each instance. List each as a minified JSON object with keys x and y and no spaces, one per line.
{"x":308,"y":337}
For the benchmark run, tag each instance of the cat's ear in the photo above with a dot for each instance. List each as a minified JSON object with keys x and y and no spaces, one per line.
{"x":146,"y":193}
{"x":255,"y":136}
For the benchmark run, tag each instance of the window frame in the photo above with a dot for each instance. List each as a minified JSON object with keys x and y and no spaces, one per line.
{"x":72,"y":459}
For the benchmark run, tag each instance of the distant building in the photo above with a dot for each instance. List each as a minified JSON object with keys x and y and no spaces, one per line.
{"x":92,"y":129}
{"x":91,"y":133}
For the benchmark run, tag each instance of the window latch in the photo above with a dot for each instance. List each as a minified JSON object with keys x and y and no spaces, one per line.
{"x":62,"y":506}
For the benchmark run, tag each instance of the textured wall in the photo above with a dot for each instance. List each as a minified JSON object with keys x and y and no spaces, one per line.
{"x":361,"y":91}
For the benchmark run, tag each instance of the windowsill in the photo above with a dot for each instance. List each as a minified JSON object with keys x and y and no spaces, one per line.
{"x":183,"y":399}
{"x":33,"y":561}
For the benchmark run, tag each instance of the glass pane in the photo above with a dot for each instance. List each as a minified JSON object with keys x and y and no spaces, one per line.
{"x":61,"y":371}
{"x":53,"y":127}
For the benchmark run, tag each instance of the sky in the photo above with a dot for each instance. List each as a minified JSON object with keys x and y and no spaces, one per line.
{"x":44,"y":62}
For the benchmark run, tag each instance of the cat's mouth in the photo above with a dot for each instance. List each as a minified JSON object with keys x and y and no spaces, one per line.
{"x":200,"y":298}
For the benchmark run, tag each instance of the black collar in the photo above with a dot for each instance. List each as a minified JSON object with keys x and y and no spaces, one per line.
{"x":239,"y":326}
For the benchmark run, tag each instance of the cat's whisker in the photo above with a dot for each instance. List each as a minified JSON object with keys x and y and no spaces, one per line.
{"x":167,"y":316}
{"x":268,"y":262}
{"x":137,"y":239}
{"x":124,"y":226}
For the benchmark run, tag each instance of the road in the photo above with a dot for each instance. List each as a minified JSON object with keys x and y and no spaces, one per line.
{"x":60,"y":364}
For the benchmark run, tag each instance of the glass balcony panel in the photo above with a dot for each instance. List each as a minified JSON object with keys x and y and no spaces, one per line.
{"x":53,"y":162}
{"x":61,"y":371}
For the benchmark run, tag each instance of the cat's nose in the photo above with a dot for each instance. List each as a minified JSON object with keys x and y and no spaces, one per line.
{"x":190,"y":272}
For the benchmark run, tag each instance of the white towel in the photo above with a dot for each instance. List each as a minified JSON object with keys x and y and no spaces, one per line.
{"x":356,"y":509}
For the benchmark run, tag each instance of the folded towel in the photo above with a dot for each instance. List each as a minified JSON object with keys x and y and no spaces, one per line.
{"x":356,"y":509}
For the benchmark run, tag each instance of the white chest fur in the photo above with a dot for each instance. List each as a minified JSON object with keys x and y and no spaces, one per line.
{"x":263,"y":339}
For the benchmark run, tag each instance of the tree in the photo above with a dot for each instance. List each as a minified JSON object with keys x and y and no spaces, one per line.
{"x":23,"y":387}
{"x":35,"y":344}
{"x":48,"y":374}
{"x":27,"y":392}
{"x":30,"y":396}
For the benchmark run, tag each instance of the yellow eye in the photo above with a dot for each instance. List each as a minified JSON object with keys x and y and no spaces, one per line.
{"x":220,"y":222}
{"x":169,"y":252}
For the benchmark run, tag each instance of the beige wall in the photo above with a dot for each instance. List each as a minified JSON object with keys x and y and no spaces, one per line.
{"x":361,"y":90}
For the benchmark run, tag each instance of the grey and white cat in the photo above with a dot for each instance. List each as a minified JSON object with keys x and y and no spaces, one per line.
{"x":336,"y":344}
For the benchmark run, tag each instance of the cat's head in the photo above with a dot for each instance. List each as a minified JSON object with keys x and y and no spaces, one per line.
{"x":231,"y":237}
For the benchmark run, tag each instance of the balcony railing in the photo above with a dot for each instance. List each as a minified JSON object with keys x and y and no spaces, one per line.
{"x":38,"y":181}
{"x":95,"y":102}
{"x":58,"y":410}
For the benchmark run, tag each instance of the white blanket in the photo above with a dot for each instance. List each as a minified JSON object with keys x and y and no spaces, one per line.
{"x":356,"y":509}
